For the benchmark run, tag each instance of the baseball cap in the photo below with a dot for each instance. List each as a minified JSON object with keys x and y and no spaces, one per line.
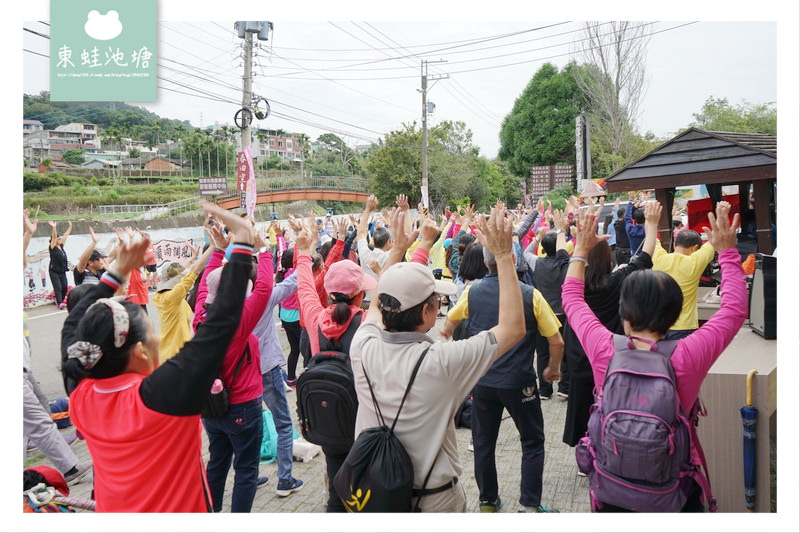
{"x":171,"y":274}
{"x":411,"y":284}
{"x":97,"y":254}
{"x":346,"y":277}
{"x":212,"y":284}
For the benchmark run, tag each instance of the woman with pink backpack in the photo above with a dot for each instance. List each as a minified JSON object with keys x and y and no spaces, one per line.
{"x":622,"y":475}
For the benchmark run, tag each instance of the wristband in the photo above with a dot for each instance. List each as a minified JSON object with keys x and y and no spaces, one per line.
{"x":578,"y":258}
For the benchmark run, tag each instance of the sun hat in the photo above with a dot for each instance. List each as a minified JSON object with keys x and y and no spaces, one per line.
{"x":346,"y":277}
{"x":411,"y":284}
{"x":212,"y":285}
{"x":171,"y":274}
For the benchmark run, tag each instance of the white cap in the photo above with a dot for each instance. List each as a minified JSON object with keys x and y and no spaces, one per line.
{"x":411,"y":284}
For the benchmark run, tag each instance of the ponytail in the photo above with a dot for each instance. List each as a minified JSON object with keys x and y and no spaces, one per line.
{"x":341,"y":313}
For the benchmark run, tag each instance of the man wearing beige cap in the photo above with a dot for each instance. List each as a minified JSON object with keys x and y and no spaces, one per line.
{"x":394,"y":335}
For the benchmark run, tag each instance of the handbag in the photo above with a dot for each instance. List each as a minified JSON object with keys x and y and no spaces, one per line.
{"x":219,"y":397}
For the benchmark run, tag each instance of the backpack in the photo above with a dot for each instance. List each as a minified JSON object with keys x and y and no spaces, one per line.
{"x":378,"y":476}
{"x":59,"y":412}
{"x":326,"y":394}
{"x":637,"y":452}
{"x":463,"y":418}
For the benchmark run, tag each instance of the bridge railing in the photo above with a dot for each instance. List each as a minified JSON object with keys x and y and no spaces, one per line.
{"x":337,"y":183}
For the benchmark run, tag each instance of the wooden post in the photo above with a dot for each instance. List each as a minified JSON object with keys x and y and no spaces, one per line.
{"x":666,"y":197}
{"x":762,"y":192}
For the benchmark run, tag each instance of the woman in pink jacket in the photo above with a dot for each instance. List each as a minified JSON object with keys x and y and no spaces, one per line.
{"x":650,"y":302}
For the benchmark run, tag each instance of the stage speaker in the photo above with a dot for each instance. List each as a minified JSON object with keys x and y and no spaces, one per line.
{"x":763,"y":297}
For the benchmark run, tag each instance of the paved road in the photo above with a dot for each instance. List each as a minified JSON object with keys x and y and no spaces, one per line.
{"x":563,"y":489}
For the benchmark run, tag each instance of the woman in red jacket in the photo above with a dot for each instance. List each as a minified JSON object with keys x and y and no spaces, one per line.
{"x":141,"y":421}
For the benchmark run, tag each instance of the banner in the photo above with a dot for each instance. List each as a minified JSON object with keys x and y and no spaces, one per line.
{"x":697,"y":211}
{"x":251,"y":192}
{"x":242,"y":171}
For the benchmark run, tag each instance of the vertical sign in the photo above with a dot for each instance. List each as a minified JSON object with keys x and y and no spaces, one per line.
{"x":103,"y":50}
{"x":242,"y":172}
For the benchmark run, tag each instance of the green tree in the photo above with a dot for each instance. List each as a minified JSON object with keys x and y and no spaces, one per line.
{"x":454,"y":169}
{"x":540,"y":129}
{"x":73,"y":156}
{"x":718,"y":115}
{"x":134,"y":152}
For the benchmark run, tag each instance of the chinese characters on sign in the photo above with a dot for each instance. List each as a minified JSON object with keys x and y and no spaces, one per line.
{"x":242,"y":172}
{"x":173,"y":251}
{"x":213,"y":185}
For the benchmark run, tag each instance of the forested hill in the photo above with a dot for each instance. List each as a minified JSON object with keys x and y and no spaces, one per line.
{"x":104,"y":114}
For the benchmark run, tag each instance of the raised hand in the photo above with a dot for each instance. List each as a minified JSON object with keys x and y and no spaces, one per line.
{"x":372,"y":203}
{"x":235,"y":224}
{"x":402,"y":202}
{"x":428,"y":231}
{"x":652,"y":212}
{"x":494,"y":232}
{"x":401,"y":240}
{"x":94,"y":237}
{"x":559,"y":219}
{"x":259,"y":241}
{"x":306,"y":240}
{"x":585,"y":234}
{"x":721,"y":231}
{"x":132,"y":256}
{"x":29,"y":227}
{"x":295,"y":224}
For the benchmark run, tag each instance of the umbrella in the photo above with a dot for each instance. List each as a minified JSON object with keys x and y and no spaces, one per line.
{"x":749,"y":416}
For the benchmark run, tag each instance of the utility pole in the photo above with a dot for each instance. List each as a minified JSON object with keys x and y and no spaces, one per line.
{"x":247,"y":98}
{"x":424,"y":75}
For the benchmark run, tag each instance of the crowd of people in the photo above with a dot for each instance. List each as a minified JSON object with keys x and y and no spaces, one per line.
{"x":530,"y":298}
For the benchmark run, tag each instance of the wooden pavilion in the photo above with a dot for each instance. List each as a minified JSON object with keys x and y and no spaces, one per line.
{"x":713,"y":159}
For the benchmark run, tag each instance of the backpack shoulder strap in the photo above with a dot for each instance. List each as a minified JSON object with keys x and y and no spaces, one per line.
{"x":246,"y":352}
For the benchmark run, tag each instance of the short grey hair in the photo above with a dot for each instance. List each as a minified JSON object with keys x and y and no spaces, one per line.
{"x":491,"y":262}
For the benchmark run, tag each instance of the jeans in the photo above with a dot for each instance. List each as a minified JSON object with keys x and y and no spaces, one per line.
{"x":525,"y":409}
{"x":236,"y":435}
{"x":275,"y":398}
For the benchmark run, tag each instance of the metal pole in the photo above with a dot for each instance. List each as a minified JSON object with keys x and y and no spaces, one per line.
{"x":424,"y":74}
{"x":247,"y":95}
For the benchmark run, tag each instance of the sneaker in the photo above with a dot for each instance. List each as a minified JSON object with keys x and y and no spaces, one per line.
{"x":291,"y":383}
{"x":487,"y":506}
{"x":471,"y":446}
{"x":71,"y":439}
{"x":287,"y":487}
{"x":62,"y":306}
{"x":262,"y":480}
{"x":32,"y":446}
{"x":581,"y":474}
{"x":544,"y":397}
{"x":564,"y":395}
{"x":78,"y":471}
{"x":538,"y":509}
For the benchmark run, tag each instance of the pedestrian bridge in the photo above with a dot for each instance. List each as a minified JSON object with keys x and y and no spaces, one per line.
{"x":290,"y":189}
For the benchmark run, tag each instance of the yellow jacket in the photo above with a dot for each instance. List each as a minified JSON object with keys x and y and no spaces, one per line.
{"x":175,"y":317}
{"x":686,"y":270}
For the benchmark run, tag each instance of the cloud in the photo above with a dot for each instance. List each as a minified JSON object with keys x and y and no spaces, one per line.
{"x":103,"y":27}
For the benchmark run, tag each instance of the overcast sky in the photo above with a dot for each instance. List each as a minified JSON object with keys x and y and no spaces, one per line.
{"x":360,"y":79}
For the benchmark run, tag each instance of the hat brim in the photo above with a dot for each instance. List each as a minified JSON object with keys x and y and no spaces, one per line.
{"x":444,"y":287}
{"x":370,"y":283}
{"x":165,"y":285}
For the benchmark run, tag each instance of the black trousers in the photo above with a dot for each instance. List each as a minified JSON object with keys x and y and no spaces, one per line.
{"x":525,"y":409}
{"x":334,"y":460}
{"x":293,"y":336}
{"x":59,"y":281}
{"x":543,"y":360}
{"x":305,"y":347}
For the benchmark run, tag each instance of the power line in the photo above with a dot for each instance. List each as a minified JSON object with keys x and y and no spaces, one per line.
{"x":36,"y":33}
{"x":36,"y":53}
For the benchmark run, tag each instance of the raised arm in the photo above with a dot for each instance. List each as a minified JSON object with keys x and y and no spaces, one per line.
{"x":560,"y":221}
{"x":652,"y":215}
{"x":28,"y":229}
{"x":67,"y":233}
{"x":53,"y":234}
{"x":87,"y":252}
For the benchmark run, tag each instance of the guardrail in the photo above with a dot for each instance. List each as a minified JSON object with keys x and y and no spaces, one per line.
{"x":298,"y":183}
{"x":155,"y":210}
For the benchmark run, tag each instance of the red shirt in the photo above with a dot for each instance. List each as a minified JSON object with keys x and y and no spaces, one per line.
{"x":144,"y":461}
{"x":137,"y":288}
{"x":151,"y":251}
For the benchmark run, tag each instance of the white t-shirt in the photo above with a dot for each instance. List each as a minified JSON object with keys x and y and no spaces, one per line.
{"x":449,"y":371}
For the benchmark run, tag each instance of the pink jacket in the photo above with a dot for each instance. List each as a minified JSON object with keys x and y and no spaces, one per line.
{"x":694,"y":355}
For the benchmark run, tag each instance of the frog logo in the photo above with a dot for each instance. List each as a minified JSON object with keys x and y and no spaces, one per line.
{"x":103,"y":27}
{"x":358,"y":500}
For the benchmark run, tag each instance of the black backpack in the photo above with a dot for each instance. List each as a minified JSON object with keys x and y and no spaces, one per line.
{"x":378,"y":476}
{"x":326,"y":394}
